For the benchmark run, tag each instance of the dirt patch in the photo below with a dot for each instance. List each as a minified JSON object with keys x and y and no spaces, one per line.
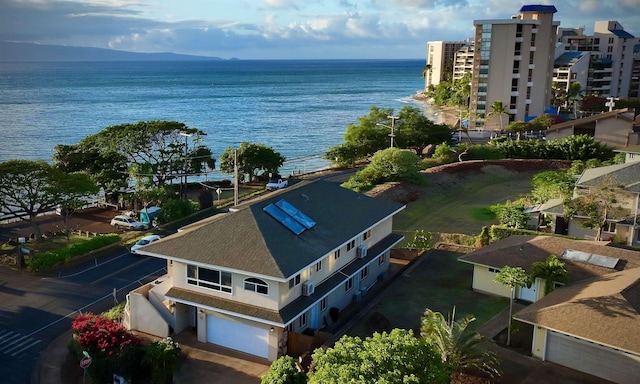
{"x":455,"y":174}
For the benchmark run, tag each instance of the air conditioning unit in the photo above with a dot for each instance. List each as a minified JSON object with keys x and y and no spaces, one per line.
{"x":361,"y":251}
{"x":308,"y":288}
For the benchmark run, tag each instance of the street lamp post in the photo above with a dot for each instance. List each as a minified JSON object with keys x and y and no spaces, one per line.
{"x":392,"y":127}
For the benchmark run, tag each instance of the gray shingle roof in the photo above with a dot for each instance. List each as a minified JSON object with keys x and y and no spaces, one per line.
{"x":251,"y":240}
{"x":626,"y":175}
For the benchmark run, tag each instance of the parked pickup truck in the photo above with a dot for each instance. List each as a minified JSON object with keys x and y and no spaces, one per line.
{"x":277,"y":184}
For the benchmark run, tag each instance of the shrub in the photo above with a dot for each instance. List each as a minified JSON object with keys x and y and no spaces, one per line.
{"x":162,"y":357}
{"x":176,"y":209}
{"x":284,"y":371}
{"x":43,"y":261}
{"x":112,"y":348}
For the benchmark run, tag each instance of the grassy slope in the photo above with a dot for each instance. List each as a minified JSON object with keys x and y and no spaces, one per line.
{"x":456,"y":203}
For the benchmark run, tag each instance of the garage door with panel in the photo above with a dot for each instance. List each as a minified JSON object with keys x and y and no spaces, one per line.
{"x":591,"y":358}
{"x":237,"y":335}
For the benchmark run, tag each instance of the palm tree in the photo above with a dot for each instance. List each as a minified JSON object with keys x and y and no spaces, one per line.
{"x":498,"y":108}
{"x":457,"y":344}
{"x":425,"y":74}
{"x":550,"y":271}
{"x":511,"y":277}
{"x":574,"y":94}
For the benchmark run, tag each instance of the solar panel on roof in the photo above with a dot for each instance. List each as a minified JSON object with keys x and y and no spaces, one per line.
{"x":591,"y":258}
{"x":284,"y":219}
{"x":294,"y":212}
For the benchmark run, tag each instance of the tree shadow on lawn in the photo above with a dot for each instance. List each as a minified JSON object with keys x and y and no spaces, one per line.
{"x":437,"y":281}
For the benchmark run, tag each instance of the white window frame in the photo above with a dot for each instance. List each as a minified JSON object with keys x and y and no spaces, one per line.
{"x":608,"y":226}
{"x":302,"y":320}
{"x":351,"y":245}
{"x":493,"y":270}
{"x":255,"y":284}
{"x":336,"y":255}
{"x":366,"y":235}
{"x":348,"y":285}
{"x":294,"y":281}
{"x":193,"y":278}
{"x":364,"y":272}
{"x":323,"y":304}
{"x":319,"y":266}
{"x":382,"y":259}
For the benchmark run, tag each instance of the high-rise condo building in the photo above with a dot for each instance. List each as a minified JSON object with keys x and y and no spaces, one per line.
{"x":440,"y":56}
{"x":513,"y":65}
{"x":603,"y":63}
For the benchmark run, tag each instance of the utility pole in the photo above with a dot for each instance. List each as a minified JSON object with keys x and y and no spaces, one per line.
{"x":393,"y":124}
{"x":235,"y":178}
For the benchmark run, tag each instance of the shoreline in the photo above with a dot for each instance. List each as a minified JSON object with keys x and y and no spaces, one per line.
{"x":440,"y":114}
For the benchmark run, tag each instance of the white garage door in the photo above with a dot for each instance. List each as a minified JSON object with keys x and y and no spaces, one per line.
{"x":593,"y":359}
{"x":239,"y":336}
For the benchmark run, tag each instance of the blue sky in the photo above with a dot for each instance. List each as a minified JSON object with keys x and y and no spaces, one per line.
{"x":279,"y":29}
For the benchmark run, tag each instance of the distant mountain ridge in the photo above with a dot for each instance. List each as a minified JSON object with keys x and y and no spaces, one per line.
{"x":21,"y":52}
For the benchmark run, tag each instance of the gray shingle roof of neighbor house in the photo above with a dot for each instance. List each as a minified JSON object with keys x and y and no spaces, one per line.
{"x":251,"y":240}
{"x":604,"y":309}
{"x":523,"y":251}
{"x":627,"y":175}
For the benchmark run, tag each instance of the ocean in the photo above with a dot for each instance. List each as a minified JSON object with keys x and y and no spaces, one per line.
{"x":299,"y":107}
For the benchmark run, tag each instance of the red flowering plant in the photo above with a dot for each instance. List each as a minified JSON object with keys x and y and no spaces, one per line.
{"x":98,"y":334}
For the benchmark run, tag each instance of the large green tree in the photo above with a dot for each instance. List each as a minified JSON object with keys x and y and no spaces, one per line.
{"x":30,"y":188}
{"x":391,"y":164}
{"x":77,"y":189}
{"x":551,"y":185}
{"x":154,"y":152}
{"x":513,"y":278}
{"x":415,"y":131}
{"x":457,"y":344}
{"x":396,"y":357}
{"x":252,"y":160}
{"x":108,"y":169}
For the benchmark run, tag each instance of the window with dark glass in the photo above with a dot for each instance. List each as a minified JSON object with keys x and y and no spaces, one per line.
{"x":209,"y":278}
{"x":256,"y":285}
{"x":294,"y":281}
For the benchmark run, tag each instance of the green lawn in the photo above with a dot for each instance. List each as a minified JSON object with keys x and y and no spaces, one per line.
{"x":460,"y":205}
{"x":439,"y":282}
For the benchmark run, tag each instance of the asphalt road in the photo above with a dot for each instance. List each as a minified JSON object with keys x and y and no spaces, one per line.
{"x":34,"y":310}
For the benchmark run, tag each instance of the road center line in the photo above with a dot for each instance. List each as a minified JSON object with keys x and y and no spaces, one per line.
{"x":96,"y":301}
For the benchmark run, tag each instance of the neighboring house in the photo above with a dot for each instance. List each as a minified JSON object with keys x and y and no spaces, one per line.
{"x":626,"y":178}
{"x":632,"y":153}
{"x":592,"y":326}
{"x":617,"y":129}
{"x":549,"y":217}
{"x":523,"y":251}
{"x":288,"y":263}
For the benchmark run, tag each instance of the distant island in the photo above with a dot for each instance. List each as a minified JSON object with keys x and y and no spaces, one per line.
{"x":23,"y":52}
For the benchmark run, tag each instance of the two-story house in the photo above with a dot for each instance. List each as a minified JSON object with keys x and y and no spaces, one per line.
{"x":286,"y":263}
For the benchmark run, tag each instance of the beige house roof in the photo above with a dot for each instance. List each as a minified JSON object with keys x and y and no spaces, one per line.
{"x":615,"y":114}
{"x":523,"y":251}
{"x":604,"y":310}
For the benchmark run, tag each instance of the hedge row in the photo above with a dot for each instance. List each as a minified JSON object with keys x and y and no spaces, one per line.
{"x":43,"y":261}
